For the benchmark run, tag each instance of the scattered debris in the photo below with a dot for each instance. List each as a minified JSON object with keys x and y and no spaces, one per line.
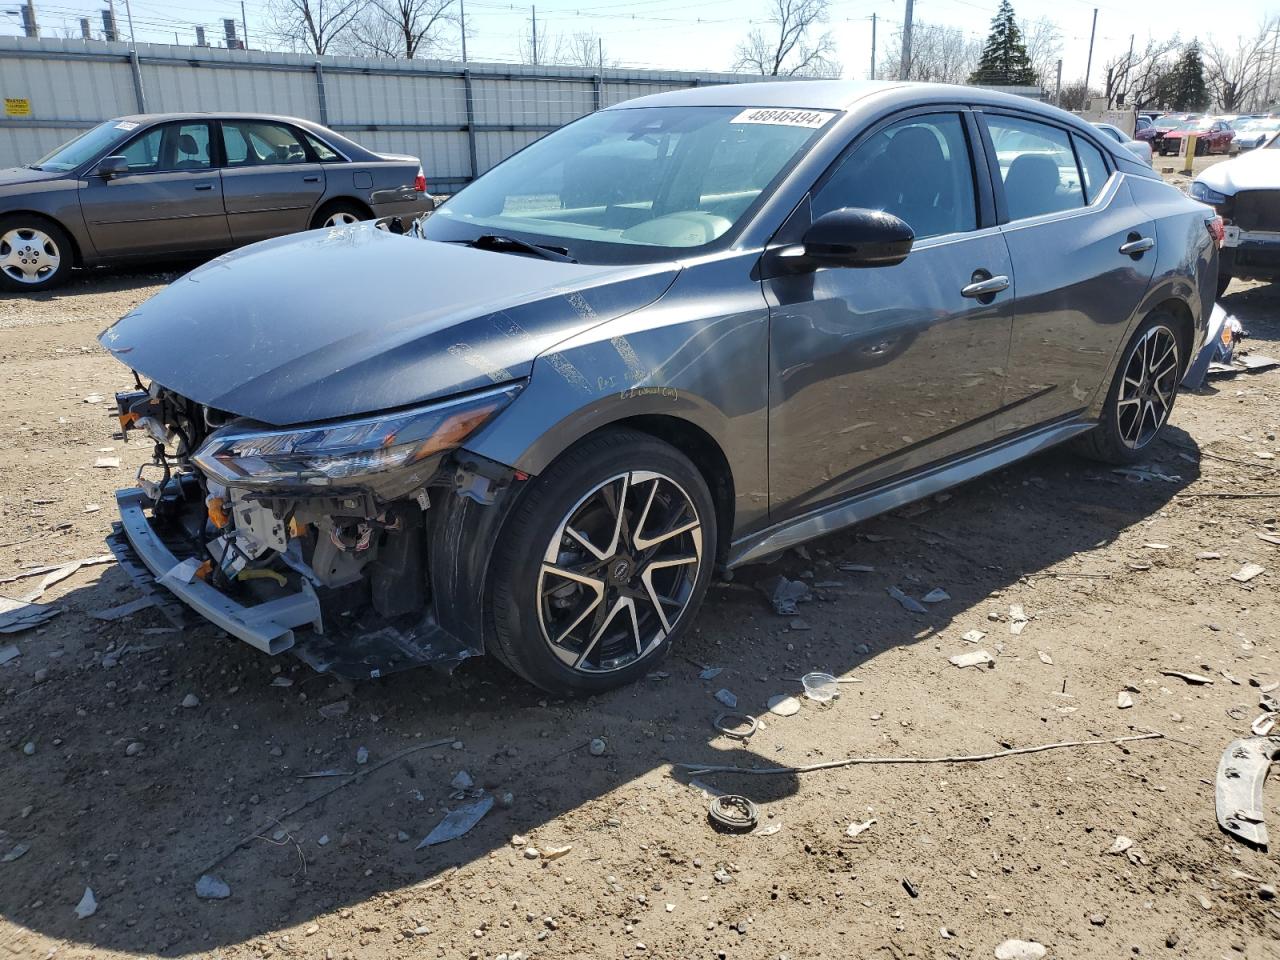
{"x":1124,"y":700}
{"x":1018,"y":619}
{"x":1119,"y":845}
{"x":1208,"y":555}
{"x":209,"y":887}
{"x":1193,"y":678}
{"x":1141,"y":475}
{"x":1248,"y":572}
{"x":821,"y":687}
{"x":339,"y":708}
{"x":126,"y":609}
{"x":727,"y":698}
{"x":856,"y":568}
{"x":977,"y":658}
{"x":457,"y":822}
{"x":710,"y":673}
{"x":107,"y":463}
{"x":1263,"y":725}
{"x":856,"y":829}
{"x":908,"y":603}
{"x":783,"y":705}
{"x":362,"y":756}
{"x":695,"y":769}
{"x":1045,"y":658}
{"x":1021,"y":950}
{"x":784,"y":594}
{"x":11,"y":652}
{"x":87,"y":906}
{"x":767,"y":831}
{"x":936,"y":595}
{"x":555,"y":853}
{"x":321,"y":774}
{"x":738,"y":726}
{"x":973,"y":636}
{"x":910,"y":887}
{"x":17,"y":615}
{"x":597,"y":747}
{"x":1242,"y":771}
{"x":733,"y":813}
{"x":15,"y":853}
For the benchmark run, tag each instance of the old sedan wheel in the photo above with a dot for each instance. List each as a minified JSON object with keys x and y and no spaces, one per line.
{"x":603,"y":564}
{"x":34,"y":255}
{"x":1142,"y":394}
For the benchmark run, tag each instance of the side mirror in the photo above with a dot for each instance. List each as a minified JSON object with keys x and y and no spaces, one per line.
{"x":856,"y":237}
{"x":111,"y":167}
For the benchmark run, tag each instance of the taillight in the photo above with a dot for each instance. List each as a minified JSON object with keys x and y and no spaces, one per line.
{"x":420,"y":182}
{"x":1216,"y":230}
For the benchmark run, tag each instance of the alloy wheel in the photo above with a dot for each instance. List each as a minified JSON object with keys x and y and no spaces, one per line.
{"x":619,"y":572}
{"x":28,"y":255}
{"x":340,"y":219}
{"x":1147,"y":390}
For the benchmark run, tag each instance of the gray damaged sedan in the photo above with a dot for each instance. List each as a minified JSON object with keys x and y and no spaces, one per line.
{"x":170,"y":185}
{"x":674,"y":337}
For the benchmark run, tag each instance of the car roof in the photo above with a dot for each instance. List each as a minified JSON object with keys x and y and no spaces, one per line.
{"x":827,"y":95}
{"x":353,"y":150}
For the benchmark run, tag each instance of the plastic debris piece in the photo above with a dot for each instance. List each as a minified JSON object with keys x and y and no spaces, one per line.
{"x":784,"y":594}
{"x":457,"y":822}
{"x":107,"y":463}
{"x":87,"y":906}
{"x":856,"y":568}
{"x":977,"y":658}
{"x":1248,"y":572}
{"x":1119,"y":845}
{"x":1124,"y":700}
{"x":1263,"y":725}
{"x":767,"y":831}
{"x":1021,"y":950}
{"x":908,"y":603}
{"x":734,"y":813}
{"x":1242,"y":771}
{"x":1195,"y":678}
{"x":461,"y":781}
{"x":1045,"y":658}
{"x":1018,"y":619}
{"x":936,"y":595}
{"x":710,"y":673}
{"x":856,"y":829}
{"x":736,"y":726}
{"x":973,"y":636}
{"x":597,"y":747}
{"x":17,"y":851}
{"x":125,"y":609}
{"x":17,"y":615}
{"x":11,"y":652}
{"x":783,"y":705}
{"x":727,"y":698}
{"x":555,"y":853}
{"x":822,"y":687}
{"x":209,"y":887}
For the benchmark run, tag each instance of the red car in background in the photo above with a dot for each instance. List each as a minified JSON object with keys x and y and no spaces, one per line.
{"x":1212,"y":136}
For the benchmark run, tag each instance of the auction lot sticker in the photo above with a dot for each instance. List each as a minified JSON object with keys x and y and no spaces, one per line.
{"x":784,"y":117}
{"x":17,"y":107}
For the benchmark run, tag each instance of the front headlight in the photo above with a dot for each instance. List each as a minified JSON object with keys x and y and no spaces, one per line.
{"x":330,"y":453}
{"x":1207,"y":194}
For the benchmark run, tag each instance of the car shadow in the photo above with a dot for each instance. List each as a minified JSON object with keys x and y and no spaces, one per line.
{"x":215,"y":787}
{"x":95,"y":281}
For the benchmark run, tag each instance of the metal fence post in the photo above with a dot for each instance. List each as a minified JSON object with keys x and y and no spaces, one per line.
{"x":137,"y":80}
{"x":471,"y":123}
{"x":324,"y":103}
{"x":597,"y":83}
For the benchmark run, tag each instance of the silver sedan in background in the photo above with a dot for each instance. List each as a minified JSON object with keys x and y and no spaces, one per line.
{"x":1139,"y":148}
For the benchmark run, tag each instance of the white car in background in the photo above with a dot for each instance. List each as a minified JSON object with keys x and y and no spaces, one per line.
{"x":1139,"y":148}
{"x":1254,"y":133}
{"x":1245,"y":191}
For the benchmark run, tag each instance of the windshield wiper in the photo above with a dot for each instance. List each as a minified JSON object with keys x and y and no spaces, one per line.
{"x":498,"y":242}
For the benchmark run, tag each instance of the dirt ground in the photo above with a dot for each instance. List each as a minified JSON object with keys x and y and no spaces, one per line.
{"x":958,"y":857}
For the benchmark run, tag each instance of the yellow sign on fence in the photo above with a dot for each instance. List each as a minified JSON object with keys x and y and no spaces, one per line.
{"x":17,"y":107}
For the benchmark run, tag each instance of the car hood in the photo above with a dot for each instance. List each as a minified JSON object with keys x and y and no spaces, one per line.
{"x":355,"y":320}
{"x":17,"y":176}
{"x":1257,"y":170}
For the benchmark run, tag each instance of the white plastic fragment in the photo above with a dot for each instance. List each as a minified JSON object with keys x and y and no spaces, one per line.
{"x":727,"y":698}
{"x":855,"y":829}
{"x":457,"y":822}
{"x":909,"y":604}
{"x":783,"y":705}
{"x":936,"y":595}
{"x":1119,"y":845}
{"x":973,"y":636}
{"x":1021,"y":950}
{"x":87,"y":906}
{"x":1248,"y":572}
{"x":209,"y":887}
{"x":977,"y":658}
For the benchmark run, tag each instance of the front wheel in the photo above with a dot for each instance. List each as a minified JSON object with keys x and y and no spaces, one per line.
{"x":603,"y":564}
{"x":35,"y":254}
{"x":1141,"y":395}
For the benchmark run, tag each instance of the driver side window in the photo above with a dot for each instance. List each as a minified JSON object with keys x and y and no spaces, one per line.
{"x":918,"y":169}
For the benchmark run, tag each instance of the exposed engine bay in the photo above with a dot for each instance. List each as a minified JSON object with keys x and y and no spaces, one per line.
{"x":324,"y":526}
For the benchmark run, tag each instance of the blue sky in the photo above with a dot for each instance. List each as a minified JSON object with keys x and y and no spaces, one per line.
{"x":702,"y":34}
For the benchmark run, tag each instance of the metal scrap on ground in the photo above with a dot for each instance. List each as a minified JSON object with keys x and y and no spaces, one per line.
{"x":1242,"y":771}
{"x":457,"y":822}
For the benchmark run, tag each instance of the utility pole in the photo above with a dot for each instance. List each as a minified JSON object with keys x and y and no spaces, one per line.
{"x":600,"y":52}
{"x":1271,"y":68}
{"x":29,"y":26}
{"x":535,"y":36}
{"x":244,"y":23}
{"x":462,"y":22}
{"x":1088,"y":64}
{"x":1057,"y":89}
{"x":904,"y":68}
{"x":873,"y":47}
{"x":128,"y":12}
{"x":86,"y":33}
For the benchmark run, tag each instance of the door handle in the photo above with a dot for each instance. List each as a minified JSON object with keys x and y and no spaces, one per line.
{"x":1136,"y":248}
{"x":985,"y":288}
{"x":313,"y":178}
{"x":204,"y":186}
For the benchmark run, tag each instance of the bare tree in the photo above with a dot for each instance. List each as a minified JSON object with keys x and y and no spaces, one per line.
{"x":544,"y":47}
{"x":587,"y":50}
{"x":787,"y":48}
{"x":1043,"y":39}
{"x":312,"y":25}
{"x":938,"y":55}
{"x":402,"y":28}
{"x":1076,"y":96}
{"x":1135,"y":79}
{"x":1238,"y":74}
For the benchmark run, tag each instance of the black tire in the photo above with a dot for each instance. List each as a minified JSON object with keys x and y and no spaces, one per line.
{"x":1107,"y":442}
{"x":525,"y":601}
{"x":1223,"y":283}
{"x":1202,"y":147}
{"x":338,"y":208}
{"x":28,"y":241}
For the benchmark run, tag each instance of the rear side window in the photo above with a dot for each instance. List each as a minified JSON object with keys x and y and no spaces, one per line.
{"x":251,"y":142}
{"x":1037,"y":165}
{"x":1092,"y":166}
{"x":918,"y":169}
{"x":324,"y":153}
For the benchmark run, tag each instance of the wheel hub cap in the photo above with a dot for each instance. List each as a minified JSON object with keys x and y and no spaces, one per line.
{"x":28,"y":255}
{"x":1148,"y":388}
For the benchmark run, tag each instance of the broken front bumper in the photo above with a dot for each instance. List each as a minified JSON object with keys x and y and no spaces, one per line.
{"x":266,"y":626}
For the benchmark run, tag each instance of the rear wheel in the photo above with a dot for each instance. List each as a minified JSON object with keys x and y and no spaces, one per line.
{"x":338,"y":215}
{"x":35,"y":254}
{"x":603,"y":564}
{"x":1141,"y":395}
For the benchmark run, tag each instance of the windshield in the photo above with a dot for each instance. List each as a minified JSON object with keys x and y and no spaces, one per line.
{"x":1195,"y":125}
{"x":632,"y":185}
{"x":1166,"y":123}
{"x":86,"y":146}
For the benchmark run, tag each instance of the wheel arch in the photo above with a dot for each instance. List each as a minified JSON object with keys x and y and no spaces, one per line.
{"x":77,"y":255}
{"x":342,"y":200}
{"x":1180,"y":310}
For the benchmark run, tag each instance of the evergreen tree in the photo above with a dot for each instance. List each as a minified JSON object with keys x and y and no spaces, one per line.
{"x":1184,"y":86}
{"x":1004,"y":60}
